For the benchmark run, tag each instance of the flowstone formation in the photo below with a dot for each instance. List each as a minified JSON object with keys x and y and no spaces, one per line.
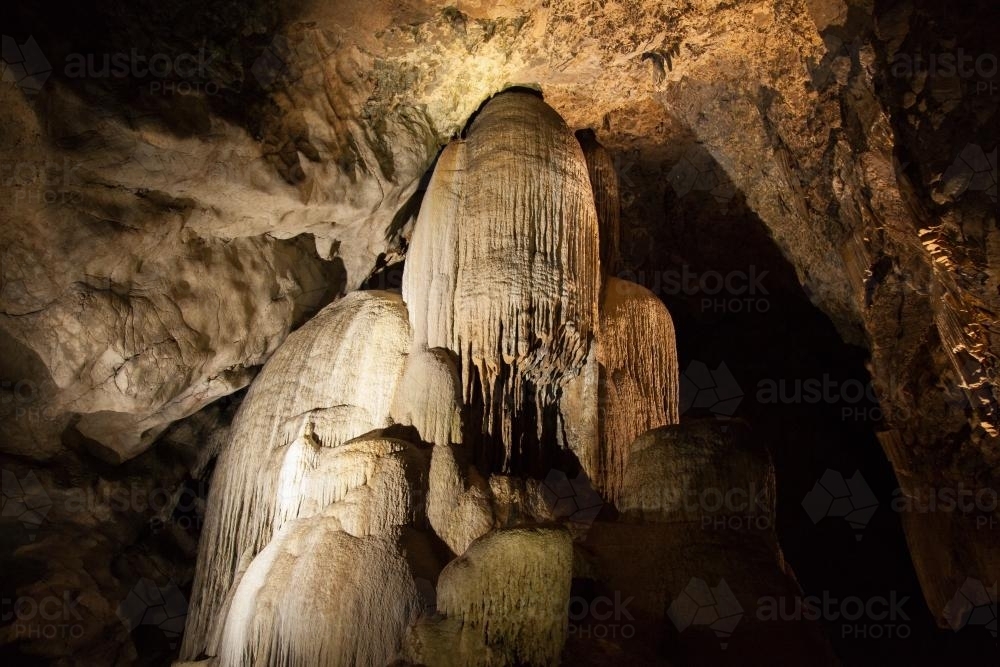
{"x":381,"y":494}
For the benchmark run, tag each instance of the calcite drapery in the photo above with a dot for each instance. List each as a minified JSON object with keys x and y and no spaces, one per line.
{"x":332,"y":380}
{"x":503,"y":318}
{"x":359,"y":590}
{"x":508,"y":231}
{"x":639,"y":382}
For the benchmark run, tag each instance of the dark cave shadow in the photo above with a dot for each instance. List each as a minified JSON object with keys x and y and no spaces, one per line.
{"x":778,"y":336}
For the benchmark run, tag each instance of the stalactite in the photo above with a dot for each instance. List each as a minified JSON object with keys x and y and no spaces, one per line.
{"x":528,"y":279}
{"x":342,"y":367}
{"x":580,"y":415}
{"x":516,"y":202}
{"x":607,"y":198}
{"x":432,"y":259}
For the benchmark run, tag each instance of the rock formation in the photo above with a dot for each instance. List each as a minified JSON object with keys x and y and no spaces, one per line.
{"x":503,"y":271}
{"x":333,"y":380}
{"x":211,"y":389}
{"x":505,"y":268}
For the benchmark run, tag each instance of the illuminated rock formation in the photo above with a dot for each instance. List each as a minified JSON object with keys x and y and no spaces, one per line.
{"x":379,"y":422}
{"x":504,"y":602}
{"x":459,"y":505}
{"x":332,"y":380}
{"x":429,"y":397}
{"x":432,"y":260}
{"x":509,"y":234}
{"x":317,"y":595}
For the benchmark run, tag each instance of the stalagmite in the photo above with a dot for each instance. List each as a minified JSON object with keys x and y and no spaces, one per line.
{"x":510,"y":591}
{"x":669,"y":469}
{"x":368,"y":483}
{"x":308,"y":550}
{"x":332,"y":380}
{"x":319,"y":596}
{"x":699,"y":512}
